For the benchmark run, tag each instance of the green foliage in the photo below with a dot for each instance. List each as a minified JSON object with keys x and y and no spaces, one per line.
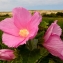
{"x":31,"y":56}
{"x":32,"y":44}
{"x":58,"y":14}
{"x":52,"y":61}
{"x":44,"y":24}
{"x":44,"y":60}
{"x":52,"y":19}
{"x":49,"y":15}
{"x":4,"y":16}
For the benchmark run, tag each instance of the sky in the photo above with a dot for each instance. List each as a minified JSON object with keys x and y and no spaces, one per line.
{"x":8,"y":5}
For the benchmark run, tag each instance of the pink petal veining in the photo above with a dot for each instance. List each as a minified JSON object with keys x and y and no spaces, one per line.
{"x":22,"y":19}
{"x":52,"y":40}
{"x":55,"y":46}
{"x":54,"y":28}
{"x":12,"y":41}
{"x":8,"y":26}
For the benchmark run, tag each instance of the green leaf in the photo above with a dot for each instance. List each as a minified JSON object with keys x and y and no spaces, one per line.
{"x":24,"y":52}
{"x":40,"y":34}
{"x":51,"y":61}
{"x":44,"y":24}
{"x":32,"y":44}
{"x":19,"y":59}
{"x":56,"y":59}
{"x":34,"y":56}
{"x":43,"y":52}
{"x":1,"y":61}
{"x":44,"y":60}
{"x":28,"y":56}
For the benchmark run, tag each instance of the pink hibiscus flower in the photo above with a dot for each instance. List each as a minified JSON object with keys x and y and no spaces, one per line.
{"x":53,"y":42}
{"x":6,"y":54}
{"x":53,"y":29}
{"x":20,"y":28}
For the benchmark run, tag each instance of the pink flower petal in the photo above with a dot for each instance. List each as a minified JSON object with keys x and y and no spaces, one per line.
{"x":35,"y":20}
{"x":33,"y":33}
{"x":53,"y":29}
{"x":56,"y":30}
{"x":13,"y":41}
{"x":6,"y":54}
{"x":8,"y":26}
{"x":21,"y":17}
{"x":55,"y":46}
{"x":33,"y":24}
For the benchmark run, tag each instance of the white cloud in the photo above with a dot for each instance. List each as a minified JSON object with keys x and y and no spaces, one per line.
{"x":40,"y":2}
{"x":4,"y":1}
{"x":32,"y":2}
{"x":9,"y":4}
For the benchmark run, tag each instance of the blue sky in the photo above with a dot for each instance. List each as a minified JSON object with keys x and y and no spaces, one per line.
{"x":8,"y":5}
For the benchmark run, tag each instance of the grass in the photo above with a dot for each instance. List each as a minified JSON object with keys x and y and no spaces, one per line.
{"x":52,"y":19}
{"x":2,"y":18}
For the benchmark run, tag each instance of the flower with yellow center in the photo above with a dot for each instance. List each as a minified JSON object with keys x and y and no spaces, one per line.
{"x":24,"y":32}
{"x":20,"y":28}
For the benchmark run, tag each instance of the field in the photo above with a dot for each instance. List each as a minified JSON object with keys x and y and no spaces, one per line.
{"x":52,"y":19}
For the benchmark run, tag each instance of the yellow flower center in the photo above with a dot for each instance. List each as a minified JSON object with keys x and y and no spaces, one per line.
{"x":24,"y":32}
